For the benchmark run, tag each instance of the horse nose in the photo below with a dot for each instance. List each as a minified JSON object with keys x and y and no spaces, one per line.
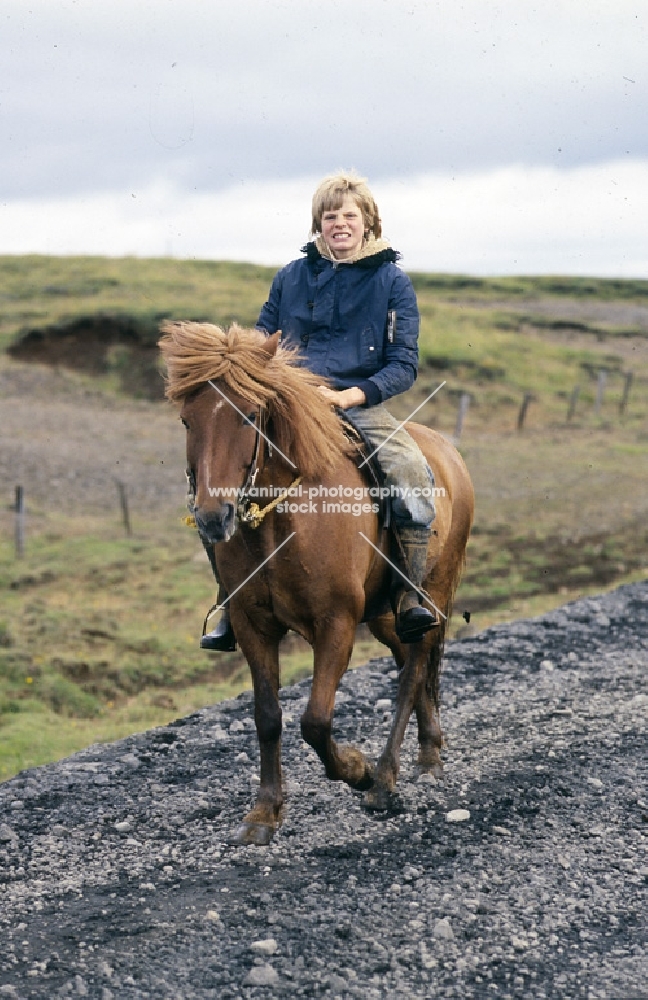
{"x":215,"y":525}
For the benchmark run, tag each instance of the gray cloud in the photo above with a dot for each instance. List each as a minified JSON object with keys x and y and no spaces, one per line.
{"x":108,"y":96}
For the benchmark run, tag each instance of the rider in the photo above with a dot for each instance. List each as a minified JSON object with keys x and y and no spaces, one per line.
{"x":353,"y":315}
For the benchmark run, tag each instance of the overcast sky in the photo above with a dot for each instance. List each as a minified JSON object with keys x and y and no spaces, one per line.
{"x":498,"y":137}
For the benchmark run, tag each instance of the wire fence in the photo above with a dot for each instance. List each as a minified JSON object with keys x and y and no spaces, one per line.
{"x":125,"y":464}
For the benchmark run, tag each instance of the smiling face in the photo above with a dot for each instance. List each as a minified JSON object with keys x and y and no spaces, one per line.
{"x":343,"y":229}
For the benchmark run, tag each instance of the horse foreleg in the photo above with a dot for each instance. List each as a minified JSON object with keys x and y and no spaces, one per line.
{"x":259,"y":825}
{"x":380,"y":794}
{"x":332,"y":650}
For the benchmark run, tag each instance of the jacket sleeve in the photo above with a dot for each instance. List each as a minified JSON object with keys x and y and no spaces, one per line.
{"x":401,"y":357}
{"x":269,"y":316}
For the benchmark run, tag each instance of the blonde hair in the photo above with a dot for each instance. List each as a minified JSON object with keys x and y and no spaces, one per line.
{"x":331,"y":193}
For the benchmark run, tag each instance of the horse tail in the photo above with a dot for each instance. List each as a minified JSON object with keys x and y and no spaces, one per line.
{"x":462,"y":497}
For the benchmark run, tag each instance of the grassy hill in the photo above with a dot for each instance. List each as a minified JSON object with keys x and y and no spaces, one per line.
{"x":496,"y":338}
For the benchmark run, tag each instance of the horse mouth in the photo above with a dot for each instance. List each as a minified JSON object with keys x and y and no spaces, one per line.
{"x":216,"y":526}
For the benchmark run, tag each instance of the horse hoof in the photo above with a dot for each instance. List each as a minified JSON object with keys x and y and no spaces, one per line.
{"x":380,"y":799}
{"x":365,"y":783}
{"x":433,"y":771}
{"x":255,"y":834}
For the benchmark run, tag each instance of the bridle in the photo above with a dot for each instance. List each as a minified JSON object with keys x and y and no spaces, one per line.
{"x":254,"y":467}
{"x":247,"y":510}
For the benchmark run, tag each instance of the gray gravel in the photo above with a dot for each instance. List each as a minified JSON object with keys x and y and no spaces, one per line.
{"x":522,"y":875}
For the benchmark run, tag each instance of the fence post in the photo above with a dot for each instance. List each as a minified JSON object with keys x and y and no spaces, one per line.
{"x":573,"y":399}
{"x":20,"y":522}
{"x":123,"y":500}
{"x":600,"y":390}
{"x":528,"y":396}
{"x":627,"y":385}
{"x":464,"y":403}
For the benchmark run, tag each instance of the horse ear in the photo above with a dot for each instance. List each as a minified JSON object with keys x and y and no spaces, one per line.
{"x":272,"y":343}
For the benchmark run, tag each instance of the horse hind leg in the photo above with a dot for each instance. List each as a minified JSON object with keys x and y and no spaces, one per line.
{"x":426,"y":706}
{"x":381,"y":795}
{"x":426,"y":701}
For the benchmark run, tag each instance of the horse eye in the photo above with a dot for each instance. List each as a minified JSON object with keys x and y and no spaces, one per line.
{"x":250,"y":416}
{"x":184,"y":423}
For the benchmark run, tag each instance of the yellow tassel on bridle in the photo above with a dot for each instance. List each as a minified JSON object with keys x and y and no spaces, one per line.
{"x":253,"y":515}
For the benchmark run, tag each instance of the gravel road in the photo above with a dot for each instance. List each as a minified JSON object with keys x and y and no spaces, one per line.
{"x":522,"y":875}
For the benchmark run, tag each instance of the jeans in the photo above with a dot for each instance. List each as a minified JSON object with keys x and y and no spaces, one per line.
{"x":403,"y":464}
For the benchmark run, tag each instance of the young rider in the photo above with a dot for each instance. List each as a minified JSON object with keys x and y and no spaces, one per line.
{"x":353,"y":315}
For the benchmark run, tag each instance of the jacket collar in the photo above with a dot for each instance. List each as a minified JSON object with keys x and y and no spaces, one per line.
{"x":372,"y":254}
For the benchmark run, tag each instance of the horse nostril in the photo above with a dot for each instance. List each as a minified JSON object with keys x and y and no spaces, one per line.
{"x":215,"y":525}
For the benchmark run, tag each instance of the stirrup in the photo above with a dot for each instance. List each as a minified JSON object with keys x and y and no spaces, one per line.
{"x":221,"y":639}
{"x":414,"y":622}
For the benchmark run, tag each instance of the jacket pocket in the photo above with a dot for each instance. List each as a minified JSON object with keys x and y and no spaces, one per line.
{"x":370,"y":350}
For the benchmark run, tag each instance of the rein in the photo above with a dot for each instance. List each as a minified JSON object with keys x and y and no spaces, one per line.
{"x":250,"y":513}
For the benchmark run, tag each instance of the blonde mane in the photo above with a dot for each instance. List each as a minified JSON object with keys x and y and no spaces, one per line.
{"x":302,"y":424}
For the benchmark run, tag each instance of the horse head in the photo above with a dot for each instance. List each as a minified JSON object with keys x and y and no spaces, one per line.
{"x":223,"y":437}
{"x":229,"y":383}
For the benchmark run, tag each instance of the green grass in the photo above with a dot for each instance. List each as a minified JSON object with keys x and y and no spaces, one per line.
{"x":498,"y":361}
{"x":37,"y":291}
{"x":530,"y":285}
{"x":37,"y":734}
{"x":99,"y":638}
{"x":473,"y":332}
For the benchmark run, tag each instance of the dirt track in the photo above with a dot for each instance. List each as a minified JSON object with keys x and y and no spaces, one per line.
{"x":67,"y":444}
{"x":118,"y":881}
{"x":556,"y":512}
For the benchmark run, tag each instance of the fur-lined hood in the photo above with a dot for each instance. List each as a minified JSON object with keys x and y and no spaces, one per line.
{"x":372,"y":254}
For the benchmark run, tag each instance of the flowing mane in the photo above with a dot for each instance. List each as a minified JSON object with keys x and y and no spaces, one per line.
{"x":303,"y":425}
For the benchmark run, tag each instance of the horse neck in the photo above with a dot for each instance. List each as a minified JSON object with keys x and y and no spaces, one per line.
{"x":273,"y":468}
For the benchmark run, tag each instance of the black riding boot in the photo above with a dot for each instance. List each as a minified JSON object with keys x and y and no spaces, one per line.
{"x":413,"y":618}
{"x":222,"y":638}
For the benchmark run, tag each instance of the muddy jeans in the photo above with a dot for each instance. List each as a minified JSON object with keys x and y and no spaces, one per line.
{"x":403,"y":464}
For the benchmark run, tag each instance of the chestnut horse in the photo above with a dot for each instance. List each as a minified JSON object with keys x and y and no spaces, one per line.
{"x":255,"y":419}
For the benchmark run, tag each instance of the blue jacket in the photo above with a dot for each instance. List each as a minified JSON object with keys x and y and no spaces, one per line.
{"x":337,"y":315}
